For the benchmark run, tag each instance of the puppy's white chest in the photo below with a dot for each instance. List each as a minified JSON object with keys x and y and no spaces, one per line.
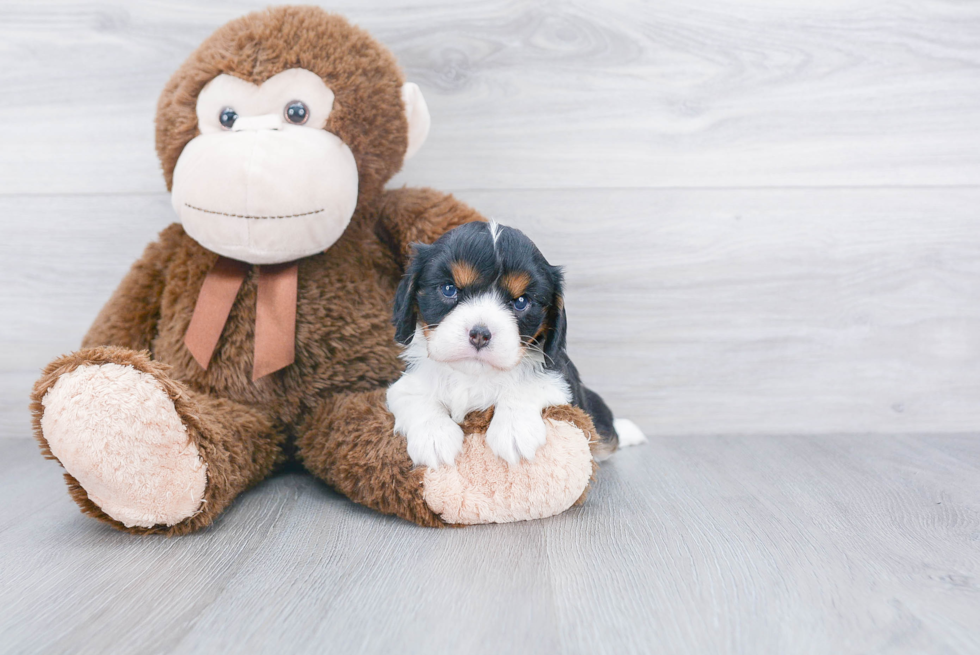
{"x":463,"y":393}
{"x":432,"y":398}
{"x":461,"y":399}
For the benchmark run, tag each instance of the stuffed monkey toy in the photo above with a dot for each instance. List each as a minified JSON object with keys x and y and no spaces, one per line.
{"x":257,"y":330}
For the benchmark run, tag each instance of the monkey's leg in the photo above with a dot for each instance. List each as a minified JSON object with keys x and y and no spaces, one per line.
{"x":350,"y":443}
{"x":142,"y":452}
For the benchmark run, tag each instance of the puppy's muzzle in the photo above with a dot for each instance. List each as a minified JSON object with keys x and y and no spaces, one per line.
{"x":480,"y":336}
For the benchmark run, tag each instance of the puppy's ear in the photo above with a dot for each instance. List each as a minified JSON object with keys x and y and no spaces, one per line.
{"x":554,"y":342}
{"x":405,"y":315}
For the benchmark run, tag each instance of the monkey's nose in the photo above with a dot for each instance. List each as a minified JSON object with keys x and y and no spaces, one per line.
{"x":480,"y":336}
{"x":264,"y":122}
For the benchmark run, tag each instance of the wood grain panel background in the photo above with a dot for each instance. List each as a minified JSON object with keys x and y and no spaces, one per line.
{"x":768,"y":211}
{"x":547,"y":95}
{"x":769,"y":214}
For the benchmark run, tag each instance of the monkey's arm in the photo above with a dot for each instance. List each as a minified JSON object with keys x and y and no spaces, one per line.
{"x":349,"y":442}
{"x":412,"y":215}
{"x":129,"y":318}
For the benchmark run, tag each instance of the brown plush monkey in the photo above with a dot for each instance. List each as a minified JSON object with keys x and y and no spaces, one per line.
{"x":258,"y":329}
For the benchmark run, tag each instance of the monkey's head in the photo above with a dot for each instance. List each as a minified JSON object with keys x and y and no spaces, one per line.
{"x":278,"y":127}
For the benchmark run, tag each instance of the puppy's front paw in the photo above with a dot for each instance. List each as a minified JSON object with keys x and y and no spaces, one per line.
{"x":435,"y":444}
{"x":512,"y":435}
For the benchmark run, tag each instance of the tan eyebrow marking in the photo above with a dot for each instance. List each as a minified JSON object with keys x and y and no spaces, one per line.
{"x":463,"y":274}
{"x":545,"y":324}
{"x":516,"y":283}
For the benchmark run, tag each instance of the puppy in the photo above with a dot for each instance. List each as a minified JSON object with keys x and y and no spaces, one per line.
{"x":481,"y":315}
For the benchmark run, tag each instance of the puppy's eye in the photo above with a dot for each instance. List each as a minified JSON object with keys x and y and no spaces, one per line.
{"x":227,"y":117}
{"x":521,"y":303}
{"x":448,"y":290}
{"x":296,"y":112}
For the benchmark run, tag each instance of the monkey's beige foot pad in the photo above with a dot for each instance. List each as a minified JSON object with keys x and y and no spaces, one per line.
{"x":483,"y":488}
{"x":116,"y":431}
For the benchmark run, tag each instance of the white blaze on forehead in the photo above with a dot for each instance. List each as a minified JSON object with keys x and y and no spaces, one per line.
{"x":450,"y":340}
{"x":494,"y":231}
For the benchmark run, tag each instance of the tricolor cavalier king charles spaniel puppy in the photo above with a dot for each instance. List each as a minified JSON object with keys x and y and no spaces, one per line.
{"x":481,"y":315}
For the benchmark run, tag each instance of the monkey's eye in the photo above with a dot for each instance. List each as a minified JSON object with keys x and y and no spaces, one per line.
{"x":227,"y":117}
{"x":297,"y":112}
{"x":448,"y":290}
{"x":521,"y":303}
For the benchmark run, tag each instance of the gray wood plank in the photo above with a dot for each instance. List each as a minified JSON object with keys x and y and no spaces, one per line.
{"x":702,"y":544}
{"x":692,"y":311}
{"x":782,"y":545}
{"x":543,"y":95}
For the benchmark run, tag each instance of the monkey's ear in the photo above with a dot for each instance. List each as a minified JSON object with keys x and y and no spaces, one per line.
{"x":417,"y":113}
{"x":405,"y":315}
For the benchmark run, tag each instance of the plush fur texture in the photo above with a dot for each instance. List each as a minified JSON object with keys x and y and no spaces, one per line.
{"x":325,"y":410}
{"x":237,"y":443}
{"x":265,"y":191}
{"x":115,"y":429}
{"x":349,"y":443}
{"x":485,"y":489}
{"x":368,"y":113}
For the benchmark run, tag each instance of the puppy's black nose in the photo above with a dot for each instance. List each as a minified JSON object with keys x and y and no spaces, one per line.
{"x":480,"y":336}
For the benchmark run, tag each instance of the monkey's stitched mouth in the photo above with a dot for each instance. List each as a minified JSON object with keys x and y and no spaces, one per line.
{"x":211,"y":211}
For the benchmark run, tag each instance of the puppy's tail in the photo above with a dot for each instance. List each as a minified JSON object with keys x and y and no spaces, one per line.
{"x":624,"y":433}
{"x":629,"y":432}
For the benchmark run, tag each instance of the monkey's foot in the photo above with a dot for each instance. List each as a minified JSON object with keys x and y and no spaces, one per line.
{"x":116,"y":431}
{"x":483,"y":488}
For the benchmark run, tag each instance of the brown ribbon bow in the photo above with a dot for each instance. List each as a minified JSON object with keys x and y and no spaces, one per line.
{"x":275,"y":313}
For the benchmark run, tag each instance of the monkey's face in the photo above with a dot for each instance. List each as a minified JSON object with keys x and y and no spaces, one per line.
{"x":278,"y":127}
{"x":265,"y":182}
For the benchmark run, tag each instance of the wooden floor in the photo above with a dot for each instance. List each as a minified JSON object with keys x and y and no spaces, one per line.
{"x":705,"y":544}
{"x":769,"y":215}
